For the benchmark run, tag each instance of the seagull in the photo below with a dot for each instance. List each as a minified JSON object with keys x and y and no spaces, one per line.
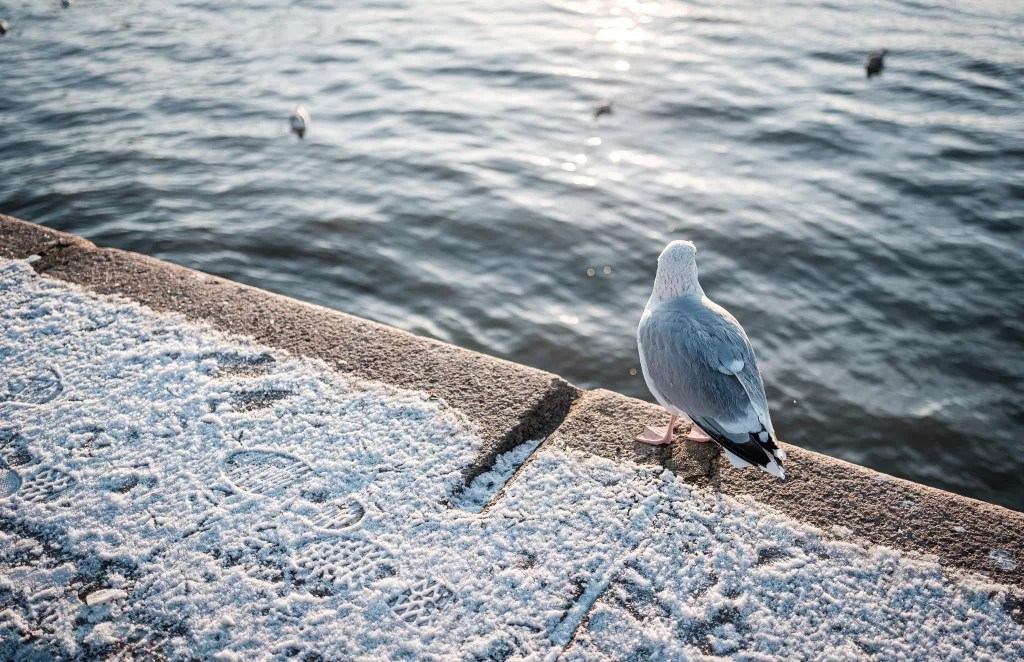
{"x":4,"y":27}
{"x":299,"y":121}
{"x":604,"y":108}
{"x":875,"y":62}
{"x":698,"y":363}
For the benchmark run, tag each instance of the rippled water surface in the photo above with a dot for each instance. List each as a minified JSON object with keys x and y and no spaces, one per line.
{"x":868,"y":234}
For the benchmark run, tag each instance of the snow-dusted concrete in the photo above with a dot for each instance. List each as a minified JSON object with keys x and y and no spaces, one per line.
{"x":509,"y":403}
{"x":170,"y":490}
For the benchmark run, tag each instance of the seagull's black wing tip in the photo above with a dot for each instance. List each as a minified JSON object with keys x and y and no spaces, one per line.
{"x":753,"y":451}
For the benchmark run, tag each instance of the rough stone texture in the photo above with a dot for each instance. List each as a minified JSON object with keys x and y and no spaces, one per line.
{"x":508,"y":403}
{"x":19,"y":240}
{"x":819,"y":490}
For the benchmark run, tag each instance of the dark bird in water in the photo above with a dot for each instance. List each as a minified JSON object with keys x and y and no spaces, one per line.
{"x":66,"y":3}
{"x":605,"y":108}
{"x":875,"y":62}
{"x":3,"y":27}
{"x":299,"y":121}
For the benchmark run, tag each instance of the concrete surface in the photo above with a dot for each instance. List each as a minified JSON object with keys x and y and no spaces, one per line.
{"x":19,"y":239}
{"x":582,"y":547}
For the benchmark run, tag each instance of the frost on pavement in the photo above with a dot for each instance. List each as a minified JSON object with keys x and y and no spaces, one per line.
{"x":169,"y":491}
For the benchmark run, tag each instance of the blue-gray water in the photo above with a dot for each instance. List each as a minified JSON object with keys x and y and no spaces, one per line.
{"x":868,"y":234}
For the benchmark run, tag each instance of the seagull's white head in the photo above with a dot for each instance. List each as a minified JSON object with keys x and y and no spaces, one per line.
{"x":677,"y":272}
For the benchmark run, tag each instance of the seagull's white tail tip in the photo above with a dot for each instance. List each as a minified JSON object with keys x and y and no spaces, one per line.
{"x":735,"y":461}
{"x":774,"y":469}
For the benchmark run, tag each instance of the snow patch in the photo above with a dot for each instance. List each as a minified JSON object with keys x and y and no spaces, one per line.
{"x":1002,"y":559}
{"x":484,"y":487}
{"x":104,"y":596}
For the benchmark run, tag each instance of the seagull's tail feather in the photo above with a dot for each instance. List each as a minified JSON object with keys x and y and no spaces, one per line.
{"x":765,"y":455}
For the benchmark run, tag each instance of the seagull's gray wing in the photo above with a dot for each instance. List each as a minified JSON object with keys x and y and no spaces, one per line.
{"x":733,"y":347}
{"x":701,"y":362}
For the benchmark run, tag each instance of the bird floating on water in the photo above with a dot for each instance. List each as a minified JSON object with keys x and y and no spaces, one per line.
{"x":299,"y":121}
{"x":698,"y":363}
{"x":66,"y":3}
{"x":4,"y":27}
{"x":604,"y":108}
{"x":875,"y":62}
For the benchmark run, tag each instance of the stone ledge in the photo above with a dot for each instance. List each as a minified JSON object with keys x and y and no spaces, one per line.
{"x":19,"y":240}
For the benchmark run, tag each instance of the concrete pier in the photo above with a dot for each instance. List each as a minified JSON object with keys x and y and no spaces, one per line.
{"x":191,"y":466}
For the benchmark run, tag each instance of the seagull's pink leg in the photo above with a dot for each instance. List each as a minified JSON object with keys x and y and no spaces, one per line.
{"x":696,"y":434}
{"x":658,"y":436}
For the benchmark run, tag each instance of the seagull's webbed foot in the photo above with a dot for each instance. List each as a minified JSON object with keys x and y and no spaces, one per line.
{"x":657,"y":436}
{"x":696,"y":434}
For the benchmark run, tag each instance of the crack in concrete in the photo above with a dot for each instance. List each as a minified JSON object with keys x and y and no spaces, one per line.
{"x":538,"y":422}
